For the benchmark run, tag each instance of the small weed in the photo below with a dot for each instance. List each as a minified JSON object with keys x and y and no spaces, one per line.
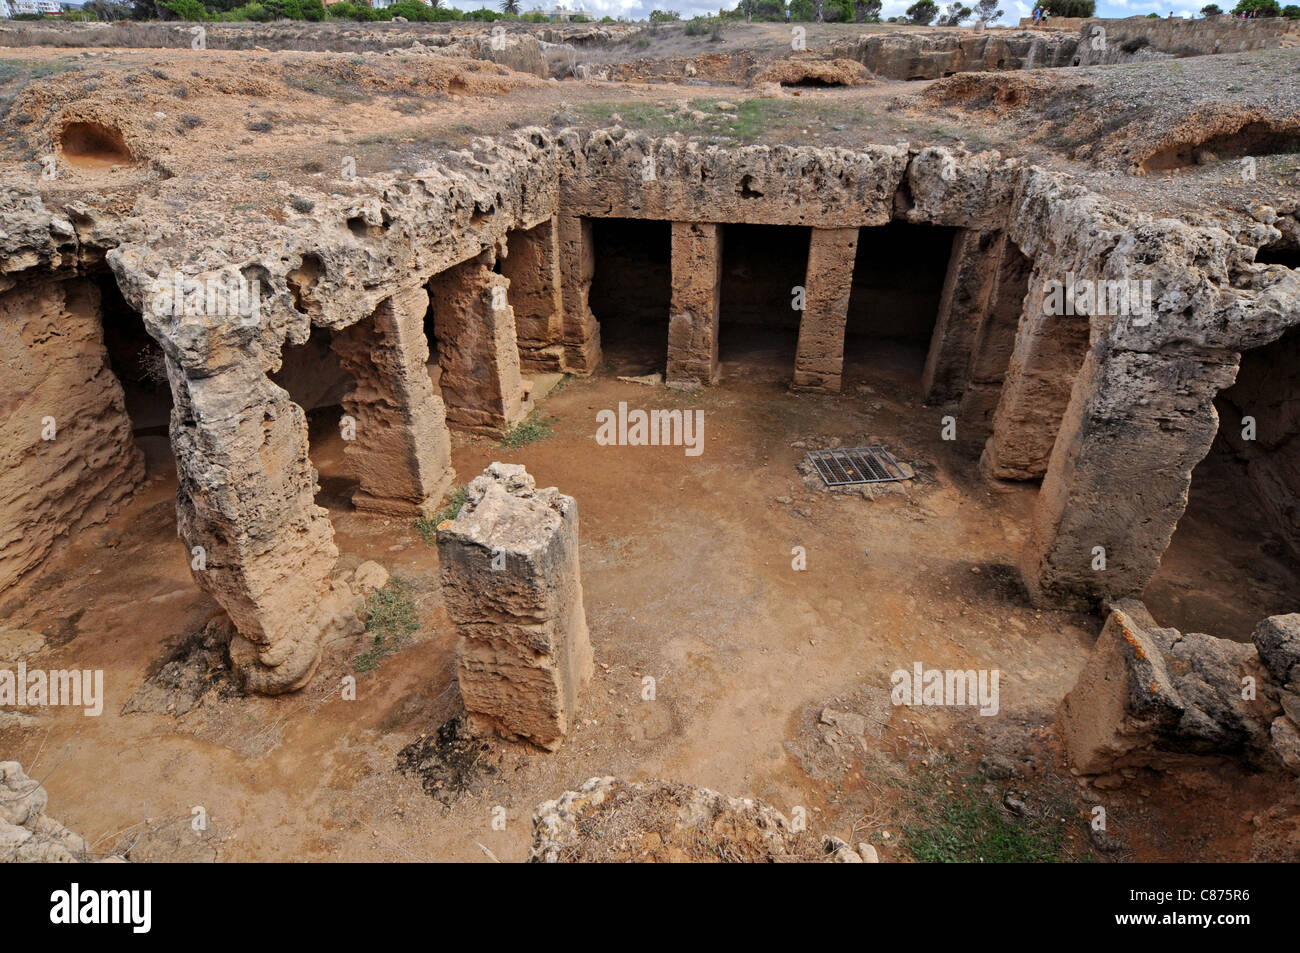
{"x":963,"y":824}
{"x":390,"y":619}
{"x":526,"y":432}
{"x":427,"y":526}
{"x":260,"y":126}
{"x":302,"y":205}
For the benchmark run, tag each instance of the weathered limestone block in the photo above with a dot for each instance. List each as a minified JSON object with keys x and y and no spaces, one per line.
{"x":669,"y":822}
{"x":694,"y":311}
{"x":1049,"y":350}
{"x":1153,"y":697}
{"x":930,"y":55}
{"x":536,"y":293}
{"x":963,"y":305}
{"x":402,"y":451}
{"x":607,"y":173}
{"x":994,"y":342}
{"x":1136,"y":426}
{"x":577,"y":268}
{"x":477,"y":350}
{"x":819,"y":357}
{"x":27,"y":834}
{"x":511,"y":579}
{"x":57,"y":384}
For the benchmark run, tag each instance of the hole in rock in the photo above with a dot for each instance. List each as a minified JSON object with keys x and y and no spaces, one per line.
{"x":631,"y":292}
{"x":898,"y":279}
{"x":93,"y":145}
{"x":759,"y":327}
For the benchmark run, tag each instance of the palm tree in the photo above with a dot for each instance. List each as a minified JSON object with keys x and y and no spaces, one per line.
{"x":510,"y":7}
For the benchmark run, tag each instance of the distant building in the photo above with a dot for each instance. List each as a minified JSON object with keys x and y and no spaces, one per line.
{"x":561,"y":14}
{"x":12,"y":8}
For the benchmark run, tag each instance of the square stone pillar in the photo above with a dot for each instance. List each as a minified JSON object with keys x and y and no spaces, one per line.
{"x":967,"y":289}
{"x":1048,"y":352}
{"x":1116,"y":486}
{"x":511,"y":581}
{"x":532,"y":266}
{"x":694,"y":311}
{"x":577,"y":268}
{"x":819,"y":360}
{"x":402,"y":451}
{"x":994,"y":342}
{"x":477,"y":349}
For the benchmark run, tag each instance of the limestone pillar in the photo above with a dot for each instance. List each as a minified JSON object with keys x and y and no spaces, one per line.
{"x":1048,"y":351}
{"x":994,"y":342}
{"x":532,"y":266}
{"x":819,"y":359}
{"x":246,"y":511}
{"x":694,"y":310}
{"x":401,"y":453}
{"x":577,"y":268}
{"x":1136,"y":426}
{"x":477,"y":349}
{"x":511,"y":581}
{"x":967,"y":288}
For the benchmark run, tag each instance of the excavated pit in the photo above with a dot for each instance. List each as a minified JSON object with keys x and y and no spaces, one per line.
{"x":429,"y":303}
{"x":93,"y":145}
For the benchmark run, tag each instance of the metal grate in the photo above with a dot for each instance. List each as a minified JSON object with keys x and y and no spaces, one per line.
{"x":857,"y":465}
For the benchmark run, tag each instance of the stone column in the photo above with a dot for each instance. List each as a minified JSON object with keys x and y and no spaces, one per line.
{"x":1136,"y":426}
{"x":1049,"y":349}
{"x":994,"y":342}
{"x":68,"y":459}
{"x":694,"y":311}
{"x":533,"y":269}
{"x":511,"y":580}
{"x":477,"y":351}
{"x":247,"y":500}
{"x":963,"y":305}
{"x":577,"y":267}
{"x":819,"y":359}
{"x":402,"y":451}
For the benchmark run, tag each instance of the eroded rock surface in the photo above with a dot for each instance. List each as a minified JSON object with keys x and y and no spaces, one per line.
{"x":1155,"y":697}
{"x":611,"y":820}
{"x":511,"y":580}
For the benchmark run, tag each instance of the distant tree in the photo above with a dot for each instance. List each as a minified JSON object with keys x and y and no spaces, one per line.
{"x":664,"y":16}
{"x":987,"y":10}
{"x":802,"y":10}
{"x":1211,"y":10}
{"x":922,"y":13}
{"x":1263,"y":8}
{"x":956,"y":12}
{"x":510,"y":7}
{"x":867,"y":11}
{"x":109,"y":10}
{"x":1291,"y":11}
{"x":185,"y":9}
{"x":1070,"y":8}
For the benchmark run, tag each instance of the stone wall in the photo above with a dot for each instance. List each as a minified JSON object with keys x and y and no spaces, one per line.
{"x":937,"y":53}
{"x":67,"y":456}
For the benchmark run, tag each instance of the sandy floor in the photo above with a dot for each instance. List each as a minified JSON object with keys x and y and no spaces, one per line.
{"x":687,"y":570}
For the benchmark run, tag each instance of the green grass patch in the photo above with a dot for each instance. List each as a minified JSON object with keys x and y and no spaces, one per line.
{"x":965,"y":824}
{"x":390,"y":620}
{"x":526,"y":432}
